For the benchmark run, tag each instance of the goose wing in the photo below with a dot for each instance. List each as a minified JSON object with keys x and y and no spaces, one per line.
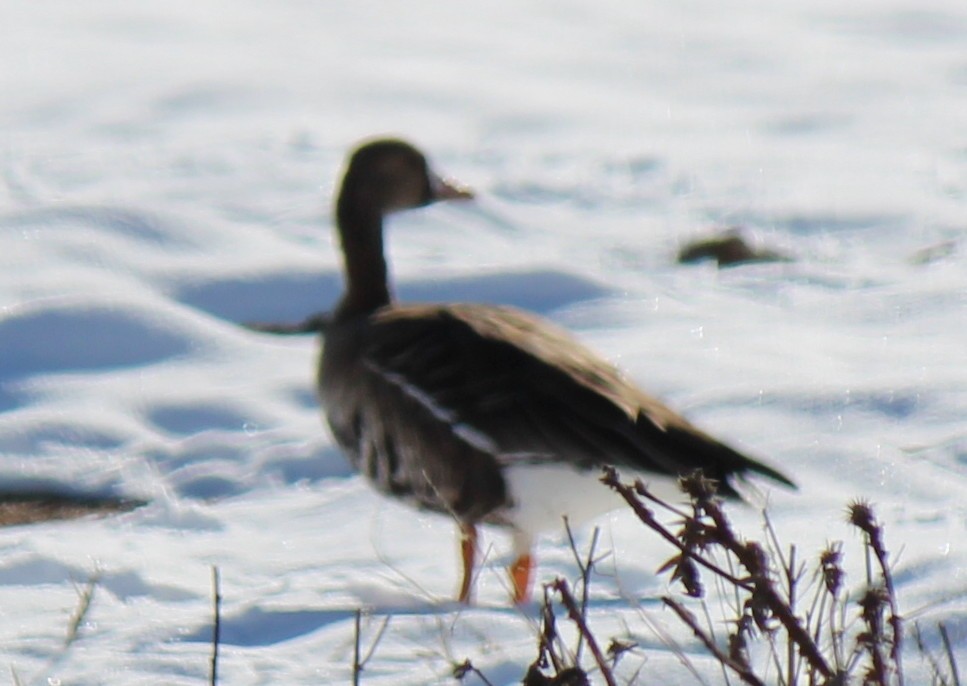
{"x":520,"y":389}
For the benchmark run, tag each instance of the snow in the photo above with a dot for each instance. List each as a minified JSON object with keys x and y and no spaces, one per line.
{"x":167,"y":171}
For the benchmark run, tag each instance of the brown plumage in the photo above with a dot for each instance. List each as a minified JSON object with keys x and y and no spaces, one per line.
{"x":486,"y":413}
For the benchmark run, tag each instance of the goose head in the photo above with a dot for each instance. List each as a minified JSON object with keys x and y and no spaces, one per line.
{"x":382,"y":176}
{"x":388,"y":175}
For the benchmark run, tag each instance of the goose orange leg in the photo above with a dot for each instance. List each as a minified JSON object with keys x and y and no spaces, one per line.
{"x":468,"y":554}
{"x":520,"y":578}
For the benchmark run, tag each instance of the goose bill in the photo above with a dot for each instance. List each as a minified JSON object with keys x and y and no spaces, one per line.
{"x":448,"y":189}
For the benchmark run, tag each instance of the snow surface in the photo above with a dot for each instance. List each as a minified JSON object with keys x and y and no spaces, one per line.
{"x":167,"y":170}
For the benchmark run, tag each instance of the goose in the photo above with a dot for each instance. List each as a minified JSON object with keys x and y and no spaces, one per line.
{"x":486,"y":413}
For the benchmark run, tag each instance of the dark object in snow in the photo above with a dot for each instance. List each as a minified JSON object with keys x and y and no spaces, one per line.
{"x":728,"y":248}
{"x":31,"y":508}
{"x":488,"y":414}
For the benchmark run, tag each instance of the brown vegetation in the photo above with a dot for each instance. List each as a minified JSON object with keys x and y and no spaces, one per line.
{"x":18,"y":508}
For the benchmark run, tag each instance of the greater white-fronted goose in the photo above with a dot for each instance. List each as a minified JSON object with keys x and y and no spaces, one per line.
{"x":486,"y":413}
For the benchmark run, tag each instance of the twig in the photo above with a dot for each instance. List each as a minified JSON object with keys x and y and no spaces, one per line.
{"x":393,"y":567}
{"x":764,"y":591}
{"x":750,"y":555}
{"x":711,"y":630}
{"x":83,"y":607}
{"x":792,"y":579}
{"x":379,"y":637}
{"x":673,"y":646}
{"x":359,"y":660}
{"x":548,"y":634}
{"x":945,"y":637}
{"x":648,"y":518}
{"x":357,"y":668}
{"x":560,"y":585}
{"x":466,"y":667}
{"x":861,"y":516}
{"x":585,"y":568}
{"x":831,"y":574}
{"x":742,"y":671}
{"x":216,"y":624}
{"x":936,"y":671}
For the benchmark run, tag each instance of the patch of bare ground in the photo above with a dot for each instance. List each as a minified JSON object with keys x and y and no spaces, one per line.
{"x":17,"y":509}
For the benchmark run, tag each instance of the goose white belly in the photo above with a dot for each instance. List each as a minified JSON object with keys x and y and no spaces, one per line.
{"x":543,"y":494}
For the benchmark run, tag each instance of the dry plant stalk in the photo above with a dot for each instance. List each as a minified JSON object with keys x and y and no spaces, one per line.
{"x":821,"y":645}
{"x":707,"y":528}
{"x":216,"y":624}
{"x":359,"y":660}
{"x":817,"y":634}
{"x":732,"y":660}
{"x":565,"y":666}
{"x":85,"y":598}
{"x":878,"y":599}
{"x":577,"y":615}
{"x":466,"y":667}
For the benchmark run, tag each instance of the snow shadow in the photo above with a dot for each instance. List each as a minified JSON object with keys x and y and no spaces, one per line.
{"x":62,"y":339}
{"x":191,"y":418}
{"x":66,"y":338}
{"x":293,"y":296}
{"x":258,"y":627}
